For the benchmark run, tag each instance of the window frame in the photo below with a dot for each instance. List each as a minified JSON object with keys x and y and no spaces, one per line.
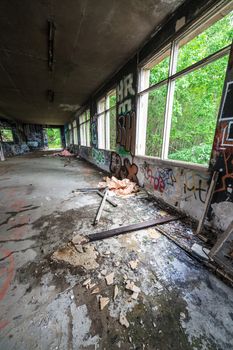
{"x":1,"y":136}
{"x":103,"y":120}
{"x":84,"y":128}
{"x":192,"y":31}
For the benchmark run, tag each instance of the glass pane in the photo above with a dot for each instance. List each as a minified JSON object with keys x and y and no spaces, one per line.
{"x":155,"y":121}
{"x":6,"y":134}
{"x":87,"y":114}
{"x":101,"y":131}
{"x":112,"y":99}
{"x":75,"y":136}
{"x":195,"y":108}
{"x":212,"y":39}
{"x":88,"y":133}
{"x":101,"y":106}
{"x":113,"y":129}
{"x":159,"y":71}
{"x":82,"y":118}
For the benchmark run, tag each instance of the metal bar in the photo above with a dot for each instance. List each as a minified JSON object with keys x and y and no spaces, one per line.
{"x":107,"y":199}
{"x":130,"y":228}
{"x":101,"y":207}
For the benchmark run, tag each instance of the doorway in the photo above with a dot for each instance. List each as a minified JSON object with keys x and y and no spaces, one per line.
{"x":54,"y":138}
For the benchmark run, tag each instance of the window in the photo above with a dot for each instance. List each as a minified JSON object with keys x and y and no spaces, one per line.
{"x":180,"y":92}
{"x":6,"y":135}
{"x":106,"y":113}
{"x":75,"y":132}
{"x":84,"y":122}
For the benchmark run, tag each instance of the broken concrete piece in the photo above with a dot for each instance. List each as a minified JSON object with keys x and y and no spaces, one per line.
{"x":86,"y":282}
{"x":104,"y":272}
{"x":116,"y":291}
{"x":103,"y":302}
{"x":91,"y":285}
{"x":109,"y":279}
{"x":95,"y":291}
{"x":133,"y":264}
{"x":131,"y":286}
{"x":134,"y":296}
{"x":117,"y":263}
{"x":123,"y":321}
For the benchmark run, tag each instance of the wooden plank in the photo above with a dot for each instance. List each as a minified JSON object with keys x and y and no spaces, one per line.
{"x":101,"y":207}
{"x":107,"y":199}
{"x":218,"y":245}
{"x":130,"y":228}
{"x":89,"y":189}
{"x":207,"y":202}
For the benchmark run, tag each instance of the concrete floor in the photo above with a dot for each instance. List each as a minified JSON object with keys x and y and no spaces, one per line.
{"x":43,"y":303}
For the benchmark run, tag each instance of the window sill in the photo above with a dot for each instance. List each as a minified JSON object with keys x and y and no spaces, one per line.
{"x":175,"y":163}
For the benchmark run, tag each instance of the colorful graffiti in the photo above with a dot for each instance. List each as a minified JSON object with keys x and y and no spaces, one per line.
{"x":123,"y":168}
{"x":224,"y":187}
{"x":159,"y":178}
{"x":98,"y":156}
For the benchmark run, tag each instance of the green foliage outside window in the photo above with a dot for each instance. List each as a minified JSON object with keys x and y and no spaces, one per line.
{"x":6,"y":135}
{"x":196,"y":98}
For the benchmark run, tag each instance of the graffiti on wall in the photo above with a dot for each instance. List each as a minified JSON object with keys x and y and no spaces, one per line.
{"x":195,"y":186}
{"x":125,"y":91}
{"x":224,"y":187}
{"x":126,"y":118}
{"x":122,"y":168}
{"x":98,"y":156}
{"x":223,"y":148}
{"x":160,"y":179}
{"x":126,"y":125}
{"x":94,"y":130}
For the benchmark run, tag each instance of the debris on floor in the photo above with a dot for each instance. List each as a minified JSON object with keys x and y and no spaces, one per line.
{"x":86,"y":259}
{"x":103,"y":302}
{"x":119,"y":187}
{"x":123,"y":321}
{"x":64,"y":153}
{"x":109,"y":279}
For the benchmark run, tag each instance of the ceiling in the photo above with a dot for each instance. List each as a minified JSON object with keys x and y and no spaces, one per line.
{"x":92,"y":40}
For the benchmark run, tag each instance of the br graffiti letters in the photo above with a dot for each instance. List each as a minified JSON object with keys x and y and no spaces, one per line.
{"x":195,"y":187}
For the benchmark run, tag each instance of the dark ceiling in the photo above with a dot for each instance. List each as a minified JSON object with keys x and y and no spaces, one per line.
{"x":93,"y":38}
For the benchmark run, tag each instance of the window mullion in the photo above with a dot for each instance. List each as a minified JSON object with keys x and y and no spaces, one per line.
{"x":169,"y":101}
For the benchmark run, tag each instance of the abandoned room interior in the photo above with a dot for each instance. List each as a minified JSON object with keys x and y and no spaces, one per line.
{"x":116,"y":175}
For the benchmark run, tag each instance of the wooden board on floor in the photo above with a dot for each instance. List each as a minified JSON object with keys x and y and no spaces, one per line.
{"x":134,"y":227}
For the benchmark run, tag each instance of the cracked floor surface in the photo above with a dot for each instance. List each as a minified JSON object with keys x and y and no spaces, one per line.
{"x":181,"y":305}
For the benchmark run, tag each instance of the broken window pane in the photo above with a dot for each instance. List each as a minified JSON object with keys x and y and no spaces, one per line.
{"x":155,"y":121}
{"x":195,"y":108}
{"x":214,"y":38}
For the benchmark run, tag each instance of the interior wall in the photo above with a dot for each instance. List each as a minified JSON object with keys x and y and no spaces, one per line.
{"x":26,"y":137}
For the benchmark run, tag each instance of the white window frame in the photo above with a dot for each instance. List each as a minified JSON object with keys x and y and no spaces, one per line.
{"x":205,"y":21}
{"x":103,"y":117}
{"x":75,"y":132}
